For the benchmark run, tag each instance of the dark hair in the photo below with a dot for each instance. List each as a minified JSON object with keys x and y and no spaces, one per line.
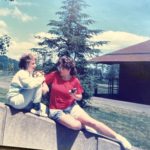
{"x":68,"y":63}
{"x":25,"y":60}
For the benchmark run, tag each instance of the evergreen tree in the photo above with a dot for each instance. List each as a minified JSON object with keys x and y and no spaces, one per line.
{"x":73,"y":38}
{"x":4,"y":44}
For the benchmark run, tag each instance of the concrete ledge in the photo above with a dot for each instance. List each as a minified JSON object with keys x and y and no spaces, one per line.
{"x":105,"y":144}
{"x":2,"y":121}
{"x":25,"y":130}
{"x":29,"y":131}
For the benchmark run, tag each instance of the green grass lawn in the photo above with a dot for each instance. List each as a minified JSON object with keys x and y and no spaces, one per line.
{"x":3,"y":94}
{"x":134,"y":126}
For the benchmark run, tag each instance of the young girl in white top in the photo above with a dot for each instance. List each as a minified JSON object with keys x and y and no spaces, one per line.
{"x":25,"y":90}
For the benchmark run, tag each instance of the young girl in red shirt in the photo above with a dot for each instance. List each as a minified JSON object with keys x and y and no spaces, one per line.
{"x":65,"y":91}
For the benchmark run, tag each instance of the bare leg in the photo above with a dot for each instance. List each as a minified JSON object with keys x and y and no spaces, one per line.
{"x":37,"y":94}
{"x":86,"y":120}
{"x":68,"y":121}
{"x":22,"y":100}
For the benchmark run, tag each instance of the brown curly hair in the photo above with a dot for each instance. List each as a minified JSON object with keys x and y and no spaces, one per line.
{"x":67,"y":63}
{"x":25,"y":60}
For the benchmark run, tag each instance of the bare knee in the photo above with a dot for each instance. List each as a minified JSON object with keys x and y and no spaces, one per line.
{"x":70,"y":122}
{"x":76,"y":125}
{"x":90,"y":122}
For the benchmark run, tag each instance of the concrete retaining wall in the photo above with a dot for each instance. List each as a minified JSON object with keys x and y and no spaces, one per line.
{"x":2,"y":121}
{"x":29,"y":131}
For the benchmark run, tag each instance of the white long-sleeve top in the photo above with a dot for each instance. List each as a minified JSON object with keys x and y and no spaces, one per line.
{"x":23,"y":80}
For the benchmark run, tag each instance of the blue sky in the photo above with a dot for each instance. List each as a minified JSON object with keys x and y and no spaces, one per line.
{"x":125,"y":22}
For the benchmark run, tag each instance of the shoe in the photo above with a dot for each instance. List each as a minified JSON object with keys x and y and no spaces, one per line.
{"x":38,"y":112}
{"x":41,"y":111}
{"x":34,"y":111}
{"x":43,"y":114}
{"x":126,"y":144}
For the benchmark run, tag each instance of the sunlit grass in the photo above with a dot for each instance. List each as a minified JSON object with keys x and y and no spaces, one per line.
{"x":3,"y":95}
{"x":133,"y":125}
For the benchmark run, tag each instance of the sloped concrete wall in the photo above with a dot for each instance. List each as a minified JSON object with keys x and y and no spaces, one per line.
{"x":30,"y":131}
{"x":2,"y":121}
{"x":25,"y":130}
{"x":18,"y":129}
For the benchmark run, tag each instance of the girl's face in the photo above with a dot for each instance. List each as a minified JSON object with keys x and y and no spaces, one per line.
{"x":31,"y":66}
{"x":63,"y":71}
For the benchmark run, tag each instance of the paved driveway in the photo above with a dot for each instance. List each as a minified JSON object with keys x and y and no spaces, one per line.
{"x":97,"y":101}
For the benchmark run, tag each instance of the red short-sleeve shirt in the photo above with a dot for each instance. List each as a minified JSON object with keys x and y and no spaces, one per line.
{"x":60,"y":97}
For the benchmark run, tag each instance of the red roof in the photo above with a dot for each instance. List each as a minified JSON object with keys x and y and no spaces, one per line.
{"x":135,"y":53}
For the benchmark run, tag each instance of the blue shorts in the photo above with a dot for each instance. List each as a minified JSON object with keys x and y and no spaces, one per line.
{"x":56,"y":114}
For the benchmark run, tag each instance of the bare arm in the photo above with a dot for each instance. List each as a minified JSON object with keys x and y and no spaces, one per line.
{"x":45,"y":88}
{"x":77,"y":97}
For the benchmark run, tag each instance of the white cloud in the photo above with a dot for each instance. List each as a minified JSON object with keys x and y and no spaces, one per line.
{"x":5,"y":12}
{"x":2,"y":24}
{"x":24,"y":17}
{"x":16,"y":13}
{"x":118,"y":40}
{"x":45,"y":34}
{"x":17,"y":48}
{"x":3,"y":28}
{"x":17,"y":3}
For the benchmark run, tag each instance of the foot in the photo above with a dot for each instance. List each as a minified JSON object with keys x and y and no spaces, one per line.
{"x":34,"y":111}
{"x":124,"y":142}
{"x":43,"y":114}
{"x":40,"y":110}
{"x":91,"y":130}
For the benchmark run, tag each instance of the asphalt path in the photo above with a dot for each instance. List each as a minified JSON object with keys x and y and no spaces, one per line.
{"x":140,"y":108}
{"x":4,"y":84}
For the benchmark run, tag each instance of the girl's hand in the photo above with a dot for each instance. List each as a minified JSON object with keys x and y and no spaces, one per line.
{"x":74,"y":94}
{"x":38,"y":74}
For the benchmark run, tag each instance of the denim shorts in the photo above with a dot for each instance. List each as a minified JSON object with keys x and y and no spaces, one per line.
{"x":56,"y":114}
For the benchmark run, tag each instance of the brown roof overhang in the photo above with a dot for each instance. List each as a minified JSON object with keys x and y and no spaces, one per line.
{"x":136,"y":53}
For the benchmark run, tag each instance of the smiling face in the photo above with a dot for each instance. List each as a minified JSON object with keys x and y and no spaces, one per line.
{"x":66,"y":66}
{"x":32,"y":65}
{"x":64,"y":72}
{"x":28,"y":62}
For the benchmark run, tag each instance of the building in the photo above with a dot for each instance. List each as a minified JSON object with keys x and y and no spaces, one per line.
{"x":134,"y":74}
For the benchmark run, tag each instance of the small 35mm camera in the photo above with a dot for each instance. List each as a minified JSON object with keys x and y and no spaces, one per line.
{"x":73,"y":90}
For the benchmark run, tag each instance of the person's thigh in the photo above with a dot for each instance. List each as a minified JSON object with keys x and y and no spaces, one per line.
{"x":17,"y":101}
{"x":77,"y":112}
{"x":23,"y":99}
{"x":28,"y":94}
{"x":81,"y":115}
{"x":70,"y":122}
{"x":36,"y":94}
{"x":65,"y":119}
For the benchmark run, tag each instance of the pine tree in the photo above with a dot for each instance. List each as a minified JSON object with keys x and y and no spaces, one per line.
{"x":4,"y":44}
{"x":73,"y":38}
